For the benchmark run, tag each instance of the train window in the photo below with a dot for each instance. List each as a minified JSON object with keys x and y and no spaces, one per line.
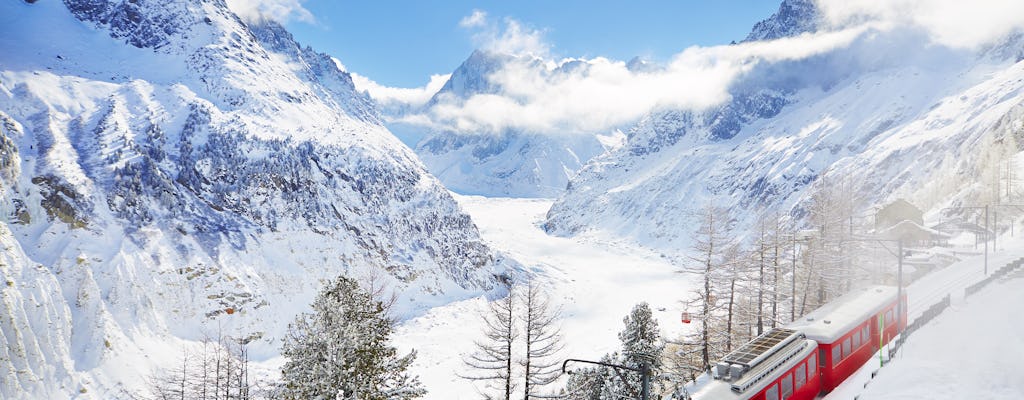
{"x":888,"y":317}
{"x":772,"y":393}
{"x":801,"y":375}
{"x":837,"y":354}
{"x":811,"y":367}
{"x":847,"y":349}
{"x":787,"y":386}
{"x":856,"y":340}
{"x":866,"y":334}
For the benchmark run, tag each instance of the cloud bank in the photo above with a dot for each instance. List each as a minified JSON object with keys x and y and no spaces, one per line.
{"x":541,"y":93}
{"x":952,"y":23}
{"x":388,"y":96}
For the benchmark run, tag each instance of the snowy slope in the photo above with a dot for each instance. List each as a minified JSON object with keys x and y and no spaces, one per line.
{"x":496,"y":161}
{"x":971,"y":351}
{"x":897,"y":114}
{"x":170,"y":172}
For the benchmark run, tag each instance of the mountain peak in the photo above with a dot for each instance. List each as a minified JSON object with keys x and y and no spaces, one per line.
{"x":793,"y":18}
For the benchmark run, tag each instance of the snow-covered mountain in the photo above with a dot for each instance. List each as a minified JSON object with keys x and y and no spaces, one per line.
{"x":169,"y":171}
{"x":892,"y":111}
{"x":503,"y":161}
{"x":793,"y":18}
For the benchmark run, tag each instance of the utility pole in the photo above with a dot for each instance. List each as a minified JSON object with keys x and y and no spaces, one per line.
{"x":792,"y":297}
{"x":986,"y":239}
{"x":899,"y":288}
{"x":645,"y":381}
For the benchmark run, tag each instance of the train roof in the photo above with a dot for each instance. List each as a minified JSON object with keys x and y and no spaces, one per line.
{"x":834,"y":319}
{"x":756,"y":379}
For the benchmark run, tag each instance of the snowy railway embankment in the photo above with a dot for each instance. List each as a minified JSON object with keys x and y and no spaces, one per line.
{"x":935,"y":302}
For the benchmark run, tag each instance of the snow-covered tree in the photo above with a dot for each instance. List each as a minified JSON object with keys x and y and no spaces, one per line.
{"x":713,"y":258}
{"x":521,"y":340}
{"x":219,"y":369}
{"x":595,"y":383}
{"x":641,"y":343}
{"x":492,"y":361}
{"x":341,"y":350}
{"x":542,"y":339}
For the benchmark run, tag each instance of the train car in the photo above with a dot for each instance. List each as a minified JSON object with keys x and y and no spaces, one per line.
{"x":779,"y":364}
{"x":849,"y":330}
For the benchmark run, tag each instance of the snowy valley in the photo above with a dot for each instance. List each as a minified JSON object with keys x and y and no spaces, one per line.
{"x":173,"y":172}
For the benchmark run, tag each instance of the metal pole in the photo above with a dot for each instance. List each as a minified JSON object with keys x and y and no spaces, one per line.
{"x":645,"y":385}
{"x":792,"y":297}
{"x":995,"y":230}
{"x":986,"y":240}
{"x":899,"y":289}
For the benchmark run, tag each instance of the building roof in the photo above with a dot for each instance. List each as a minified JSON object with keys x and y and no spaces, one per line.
{"x":839,"y":316}
{"x":897,"y":211}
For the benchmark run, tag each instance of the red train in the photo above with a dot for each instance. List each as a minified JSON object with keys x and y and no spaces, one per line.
{"x":812,"y":355}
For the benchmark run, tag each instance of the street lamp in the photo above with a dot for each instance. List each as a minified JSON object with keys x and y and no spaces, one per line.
{"x":644,"y":370}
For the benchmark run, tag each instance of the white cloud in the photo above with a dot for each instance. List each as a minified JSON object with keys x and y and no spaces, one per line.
{"x":281,"y":11}
{"x":391,"y":95}
{"x":605,"y":94}
{"x":476,"y":19}
{"x":508,"y":36}
{"x":953,"y":23}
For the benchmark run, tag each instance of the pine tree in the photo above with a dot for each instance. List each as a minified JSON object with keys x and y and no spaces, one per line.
{"x":641,"y":343}
{"x":341,"y":350}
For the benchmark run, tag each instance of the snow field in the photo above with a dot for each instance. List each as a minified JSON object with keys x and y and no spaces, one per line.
{"x":595,"y":279}
{"x":971,"y":351}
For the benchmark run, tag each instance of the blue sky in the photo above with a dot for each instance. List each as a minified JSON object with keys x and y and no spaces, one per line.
{"x":403,"y":43}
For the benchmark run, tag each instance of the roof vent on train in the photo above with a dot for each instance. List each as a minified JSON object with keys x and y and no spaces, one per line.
{"x":748,"y":364}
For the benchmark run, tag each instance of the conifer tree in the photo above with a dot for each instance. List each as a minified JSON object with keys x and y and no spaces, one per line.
{"x":641,"y":343}
{"x":341,"y":350}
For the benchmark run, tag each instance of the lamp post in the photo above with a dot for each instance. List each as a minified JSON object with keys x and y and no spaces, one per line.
{"x":644,"y":370}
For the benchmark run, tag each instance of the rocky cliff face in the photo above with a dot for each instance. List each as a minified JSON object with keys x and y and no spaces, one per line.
{"x":170,"y":171}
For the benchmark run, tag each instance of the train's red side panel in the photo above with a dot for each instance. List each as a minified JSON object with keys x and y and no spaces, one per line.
{"x":847,"y":333}
{"x":844,"y":356}
{"x":807,"y":390}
